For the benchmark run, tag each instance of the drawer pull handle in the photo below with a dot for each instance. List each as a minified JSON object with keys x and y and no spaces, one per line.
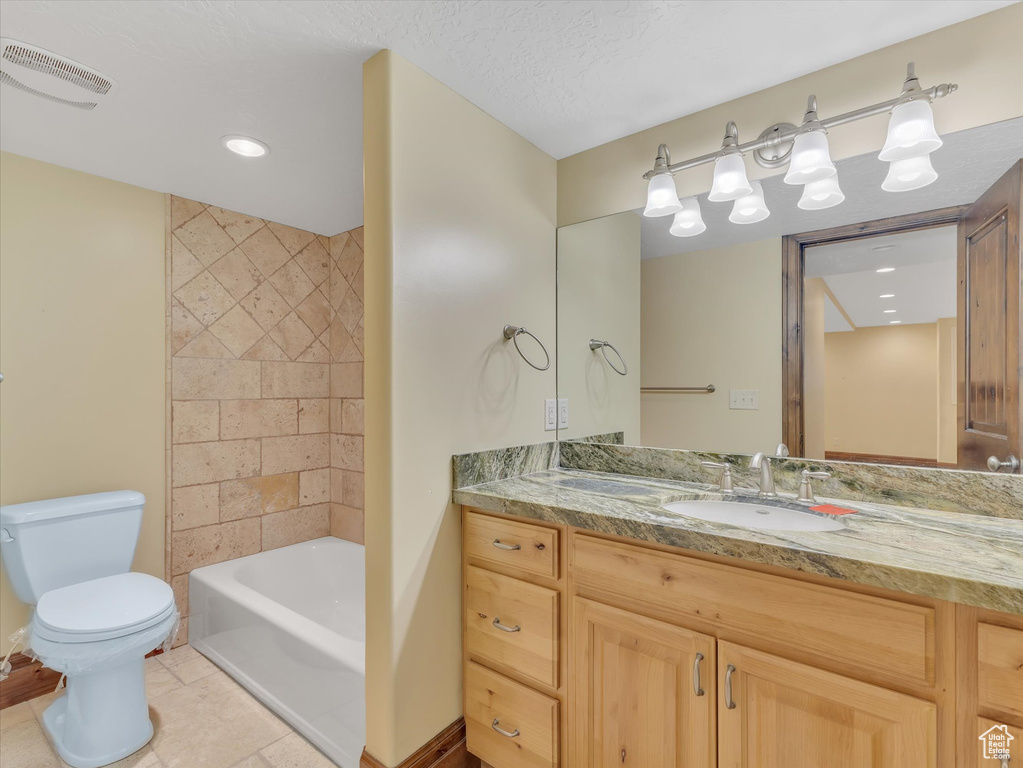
{"x":509,"y":547}
{"x":506,"y":628}
{"x":510,"y":734}
{"x":697,"y":688}
{"x":729,"y":702}
{"x":1005,"y":761}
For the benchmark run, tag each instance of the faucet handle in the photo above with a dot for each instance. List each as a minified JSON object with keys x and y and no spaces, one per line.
{"x":805,"y":488}
{"x":726,"y":473}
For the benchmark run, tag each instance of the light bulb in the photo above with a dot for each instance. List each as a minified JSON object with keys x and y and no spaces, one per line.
{"x":245,"y":146}
{"x":911,"y":173}
{"x":730,"y":182}
{"x":811,"y":159}
{"x":910,"y":132}
{"x":750,"y":208}
{"x":661,"y":197}
{"x":689,"y":221}
{"x":818,"y":195}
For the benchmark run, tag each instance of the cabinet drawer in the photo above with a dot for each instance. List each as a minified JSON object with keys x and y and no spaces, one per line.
{"x":512,"y":624}
{"x":999,"y":735}
{"x":530,"y":548}
{"x":874,"y":636}
{"x":529,"y":719}
{"x":1000,"y":669}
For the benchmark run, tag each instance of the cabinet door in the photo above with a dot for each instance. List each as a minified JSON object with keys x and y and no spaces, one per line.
{"x":642,"y":692}
{"x":775,"y":713}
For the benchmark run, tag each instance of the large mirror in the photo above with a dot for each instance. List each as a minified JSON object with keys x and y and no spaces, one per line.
{"x":885,"y":329}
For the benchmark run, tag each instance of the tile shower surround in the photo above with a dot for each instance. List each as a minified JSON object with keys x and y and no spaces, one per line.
{"x":265,"y":371}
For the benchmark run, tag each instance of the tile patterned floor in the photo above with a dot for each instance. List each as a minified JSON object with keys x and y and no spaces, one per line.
{"x":203,"y":719}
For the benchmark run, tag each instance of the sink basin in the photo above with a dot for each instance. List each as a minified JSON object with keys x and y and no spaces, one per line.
{"x":759,"y":516}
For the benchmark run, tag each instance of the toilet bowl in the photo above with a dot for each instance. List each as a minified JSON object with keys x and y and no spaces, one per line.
{"x":98,"y":632}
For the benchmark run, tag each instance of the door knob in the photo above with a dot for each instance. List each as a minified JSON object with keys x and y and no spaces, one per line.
{"x":995,"y":465}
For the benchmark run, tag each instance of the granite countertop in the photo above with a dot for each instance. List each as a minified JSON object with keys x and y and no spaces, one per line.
{"x":953,"y":556}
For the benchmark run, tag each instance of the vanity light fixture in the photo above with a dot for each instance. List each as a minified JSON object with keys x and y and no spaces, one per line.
{"x":886,"y":269}
{"x":818,"y":195}
{"x":804,"y":149}
{"x":751,"y":208}
{"x":689,"y":221}
{"x":245,"y":146}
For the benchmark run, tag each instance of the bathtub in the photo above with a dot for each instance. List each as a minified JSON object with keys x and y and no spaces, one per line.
{"x":290,"y":626}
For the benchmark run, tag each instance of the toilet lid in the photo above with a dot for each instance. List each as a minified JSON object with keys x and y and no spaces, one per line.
{"x":127,"y":600}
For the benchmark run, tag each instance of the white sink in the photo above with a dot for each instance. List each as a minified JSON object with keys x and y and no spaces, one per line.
{"x":762,"y":517}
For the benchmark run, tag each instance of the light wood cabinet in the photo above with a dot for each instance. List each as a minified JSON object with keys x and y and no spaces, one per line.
{"x":643,"y":691}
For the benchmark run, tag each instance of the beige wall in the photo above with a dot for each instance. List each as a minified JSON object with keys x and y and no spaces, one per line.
{"x":81,"y":346}
{"x":598,"y":297}
{"x":982,"y":55}
{"x":712,"y":317}
{"x":881,"y":386}
{"x":948,"y":428}
{"x":460,"y":238}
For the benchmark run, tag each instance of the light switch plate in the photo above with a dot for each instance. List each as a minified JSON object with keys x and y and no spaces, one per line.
{"x":563,"y":413}
{"x":744,"y":399}
{"x":550,"y":414}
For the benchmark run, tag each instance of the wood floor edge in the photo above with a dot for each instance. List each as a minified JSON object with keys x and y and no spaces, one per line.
{"x":28,"y":679}
{"x":445,"y":750}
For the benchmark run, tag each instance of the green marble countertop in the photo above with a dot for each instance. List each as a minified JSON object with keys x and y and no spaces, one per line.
{"x":953,"y":556}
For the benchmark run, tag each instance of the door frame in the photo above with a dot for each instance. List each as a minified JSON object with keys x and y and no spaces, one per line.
{"x":793,"y":259}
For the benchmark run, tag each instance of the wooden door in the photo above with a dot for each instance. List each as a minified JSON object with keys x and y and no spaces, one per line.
{"x":776,"y":713}
{"x":641,"y":695}
{"x":990,"y":368}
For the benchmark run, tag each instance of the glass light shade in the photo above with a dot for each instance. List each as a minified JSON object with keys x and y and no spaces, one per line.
{"x":912,"y":173}
{"x":818,"y":195}
{"x":689,"y":221}
{"x":730,"y":182}
{"x":811,"y":159}
{"x":661,"y":197}
{"x":751,"y":208}
{"x":910,"y":132}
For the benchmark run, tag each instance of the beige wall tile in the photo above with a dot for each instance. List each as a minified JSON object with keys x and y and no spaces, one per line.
{"x":205,"y":298}
{"x":350,"y":311}
{"x":354,"y":489}
{"x":347,"y":523}
{"x":346,"y":452}
{"x":337,"y":485}
{"x":337,"y":245}
{"x":265,"y":349}
{"x":314,"y":487}
{"x":315,"y":262}
{"x":353,"y":417}
{"x":340,"y":340}
{"x":357,"y":235}
{"x":336,"y":414}
{"x":265,"y":251}
{"x":213,"y":544}
{"x":295,"y":454}
{"x":183,"y":209}
{"x":316,"y":353}
{"x":184,"y":326}
{"x":306,"y":380}
{"x":315,"y":311}
{"x":257,"y":418}
{"x":197,"y":379}
{"x":195,"y":421}
{"x":292,"y":283}
{"x":292,"y":335}
{"x":237,"y":330}
{"x":254,"y":496}
{"x":292,"y":239}
{"x":236,"y":273}
{"x":204,"y":238}
{"x":358,"y":283}
{"x":284,"y":528}
{"x":313,"y":416}
{"x":180,"y":586}
{"x":205,"y":345}
{"x":346,"y":380}
{"x":350,"y":259}
{"x":184,"y":266}
{"x":197,"y":463}
{"x":194,"y":506}
{"x":237,"y":225}
{"x":266,"y":306}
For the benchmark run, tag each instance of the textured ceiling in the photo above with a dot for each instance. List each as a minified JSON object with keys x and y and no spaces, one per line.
{"x":566,"y":75}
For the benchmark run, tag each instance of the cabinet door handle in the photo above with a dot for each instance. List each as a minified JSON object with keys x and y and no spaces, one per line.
{"x":1005,"y":761}
{"x":729,"y":702}
{"x":510,"y":734}
{"x":505,"y":627}
{"x":697,"y":689}
{"x":509,"y":547}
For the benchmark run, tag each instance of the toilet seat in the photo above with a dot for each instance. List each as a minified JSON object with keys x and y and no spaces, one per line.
{"x":101,"y":609}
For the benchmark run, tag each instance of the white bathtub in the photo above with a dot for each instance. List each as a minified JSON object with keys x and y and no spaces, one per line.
{"x":290,"y":626}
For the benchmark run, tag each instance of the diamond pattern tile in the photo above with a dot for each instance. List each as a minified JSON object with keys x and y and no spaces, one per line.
{"x":206,"y":240}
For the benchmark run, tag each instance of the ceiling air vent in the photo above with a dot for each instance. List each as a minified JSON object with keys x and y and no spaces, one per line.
{"x":55,"y":78}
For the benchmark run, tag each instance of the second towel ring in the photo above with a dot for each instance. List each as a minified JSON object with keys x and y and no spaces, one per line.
{"x":512,"y":333}
{"x":603,"y":346}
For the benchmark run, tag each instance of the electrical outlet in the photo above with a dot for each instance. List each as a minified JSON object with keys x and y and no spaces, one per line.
{"x":550,"y":414}
{"x":563,"y":413}
{"x":744,"y":399}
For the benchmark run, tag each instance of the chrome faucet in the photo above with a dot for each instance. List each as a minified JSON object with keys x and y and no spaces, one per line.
{"x":761,"y":462}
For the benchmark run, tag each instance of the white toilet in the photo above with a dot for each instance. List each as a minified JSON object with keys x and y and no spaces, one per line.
{"x":94,"y":620}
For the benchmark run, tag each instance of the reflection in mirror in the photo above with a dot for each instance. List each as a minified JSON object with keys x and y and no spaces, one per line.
{"x":713,"y":332}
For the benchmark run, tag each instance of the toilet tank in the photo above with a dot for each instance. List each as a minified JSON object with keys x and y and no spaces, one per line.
{"x":49,"y":544}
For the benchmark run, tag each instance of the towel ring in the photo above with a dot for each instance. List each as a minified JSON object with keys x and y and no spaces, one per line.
{"x":603,"y":346}
{"x":512,"y":333}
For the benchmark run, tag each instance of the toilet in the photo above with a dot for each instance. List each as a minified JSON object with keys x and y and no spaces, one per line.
{"x":94,"y":619}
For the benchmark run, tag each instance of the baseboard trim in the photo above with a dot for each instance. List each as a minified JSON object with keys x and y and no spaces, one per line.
{"x":445,"y":750}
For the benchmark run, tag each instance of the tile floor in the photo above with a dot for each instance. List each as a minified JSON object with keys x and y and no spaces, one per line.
{"x":203,"y":719}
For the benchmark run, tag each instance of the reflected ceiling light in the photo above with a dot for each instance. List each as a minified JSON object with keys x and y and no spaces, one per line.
{"x":730,"y":182}
{"x":245,"y":146}
{"x":661,"y":197}
{"x":818,"y":195}
{"x":890,"y":311}
{"x":907,"y":175}
{"x":689,"y":221}
{"x":887,"y":296}
{"x":894,"y":322}
{"x":751,"y":208}
{"x":811,"y":158}
{"x":886,"y":269}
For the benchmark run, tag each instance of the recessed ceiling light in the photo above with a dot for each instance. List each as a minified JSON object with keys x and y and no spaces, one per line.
{"x":889,"y":311}
{"x":887,"y":295}
{"x":886,"y":247}
{"x":245,"y":146}
{"x":894,"y":322}
{"x":886,"y":269}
